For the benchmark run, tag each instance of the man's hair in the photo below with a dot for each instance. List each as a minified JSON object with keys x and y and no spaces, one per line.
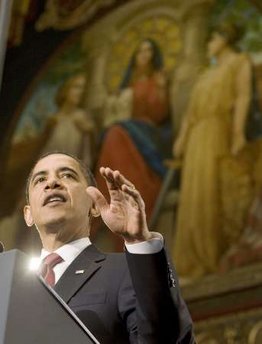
{"x":89,"y":177}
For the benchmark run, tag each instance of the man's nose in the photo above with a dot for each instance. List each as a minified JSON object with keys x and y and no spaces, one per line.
{"x":53,"y":183}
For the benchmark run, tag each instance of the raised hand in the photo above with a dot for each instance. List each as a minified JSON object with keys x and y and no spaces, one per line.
{"x":125,"y":214}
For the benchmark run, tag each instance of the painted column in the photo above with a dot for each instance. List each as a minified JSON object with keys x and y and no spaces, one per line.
{"x":5,"y":14}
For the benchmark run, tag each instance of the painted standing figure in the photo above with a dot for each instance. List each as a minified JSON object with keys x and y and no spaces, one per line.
{"x":216,"y":188}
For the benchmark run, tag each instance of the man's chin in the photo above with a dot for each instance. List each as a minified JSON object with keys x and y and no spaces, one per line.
{"x":54,"y":223}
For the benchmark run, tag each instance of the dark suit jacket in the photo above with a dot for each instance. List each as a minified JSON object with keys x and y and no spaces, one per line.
{"x":126,"y":298}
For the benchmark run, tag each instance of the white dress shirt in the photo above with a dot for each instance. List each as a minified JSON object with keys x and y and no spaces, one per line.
{"x":71,"y":250}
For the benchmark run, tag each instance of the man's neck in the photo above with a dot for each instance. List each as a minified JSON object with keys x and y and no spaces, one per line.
{"x":52,"y":241}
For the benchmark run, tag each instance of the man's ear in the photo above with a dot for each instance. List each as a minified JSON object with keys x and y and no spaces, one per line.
{"x":94,"y":211}
{"x":28,"y":216}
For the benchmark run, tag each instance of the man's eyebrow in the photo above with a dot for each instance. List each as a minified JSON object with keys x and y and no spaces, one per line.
{"x":66,"y":168}
{"x":39,"y":173}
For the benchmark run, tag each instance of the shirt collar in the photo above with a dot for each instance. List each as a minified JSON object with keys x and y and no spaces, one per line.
{"x":69,"y":251}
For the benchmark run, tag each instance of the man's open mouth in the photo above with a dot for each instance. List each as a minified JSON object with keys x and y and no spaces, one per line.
{"x":54,"y":199}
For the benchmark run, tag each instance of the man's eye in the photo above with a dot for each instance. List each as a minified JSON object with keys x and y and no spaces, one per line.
{"x":67,"y":175}
{"x":39,"y":180}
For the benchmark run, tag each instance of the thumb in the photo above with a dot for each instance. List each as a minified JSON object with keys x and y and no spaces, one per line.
{"x":97,"y":197}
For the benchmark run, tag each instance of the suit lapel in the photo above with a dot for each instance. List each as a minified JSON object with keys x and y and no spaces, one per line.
{"x":79,"y":271}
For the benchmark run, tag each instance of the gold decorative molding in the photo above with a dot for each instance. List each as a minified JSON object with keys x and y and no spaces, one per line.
{"x":234,"y":280}
{"x":239,"y":328}
{"x":69,"y":15}
{"x":255,"y":335}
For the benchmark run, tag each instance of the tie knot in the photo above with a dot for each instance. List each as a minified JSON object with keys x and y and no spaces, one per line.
{"x":52,"y":260}
{"x":46,"y":269}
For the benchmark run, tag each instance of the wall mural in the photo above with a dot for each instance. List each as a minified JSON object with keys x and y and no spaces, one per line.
{"x":47,"y":123}
{"x":218,"y":219}
{"x":40,"y":104}
{"x":162,"y":29}
{"x":106,"y":89}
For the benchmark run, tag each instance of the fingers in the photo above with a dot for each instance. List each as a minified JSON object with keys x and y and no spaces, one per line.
{"x":134,"y":193}
{"x":115,"y":180}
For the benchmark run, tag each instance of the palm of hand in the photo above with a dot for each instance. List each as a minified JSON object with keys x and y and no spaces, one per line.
{"x":125,"y":214}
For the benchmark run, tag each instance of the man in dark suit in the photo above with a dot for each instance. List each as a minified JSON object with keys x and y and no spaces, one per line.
{"x":130,"y":297}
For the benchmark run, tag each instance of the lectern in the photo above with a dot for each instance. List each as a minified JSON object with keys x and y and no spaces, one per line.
{"x":30,"y":311}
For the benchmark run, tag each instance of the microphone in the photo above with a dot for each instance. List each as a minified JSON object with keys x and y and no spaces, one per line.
{"x":1,"y":247}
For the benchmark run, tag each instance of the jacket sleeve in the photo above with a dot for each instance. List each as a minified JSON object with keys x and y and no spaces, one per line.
{"x":161,"y":315}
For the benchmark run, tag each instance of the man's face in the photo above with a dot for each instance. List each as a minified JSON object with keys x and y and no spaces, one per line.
{"x":57,"y":196}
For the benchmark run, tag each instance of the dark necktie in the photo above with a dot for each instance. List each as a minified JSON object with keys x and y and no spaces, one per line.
{"x":46,"y":269}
